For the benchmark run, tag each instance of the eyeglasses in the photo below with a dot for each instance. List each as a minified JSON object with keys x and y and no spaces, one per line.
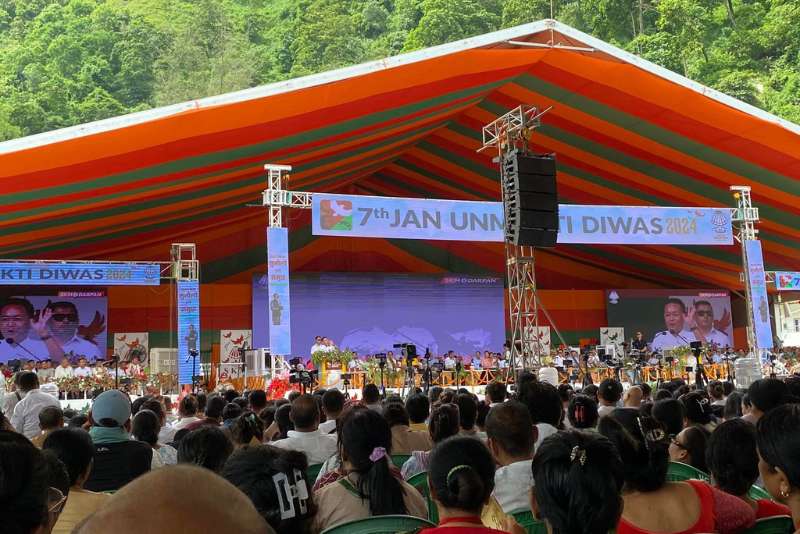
{"x":55,"y":500}
{"x":61,"y":317}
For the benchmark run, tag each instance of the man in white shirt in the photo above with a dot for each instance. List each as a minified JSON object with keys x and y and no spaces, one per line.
{"x":676,"y":334}
{"x":332,"y":405}
{"x":306,"y":437}
{"x":317,"y":346}
{"x":63,"y":325}
{"x":608,"y":395}
{"x":64,"y":370}
{"x":187,"y":413}
{"x":449,"y":361}
{"x":16,"y":323}
{"x":46,"y":372}
{"x":509,"y":429}
{"x":26,"y":413}
{"x":82,"y":369}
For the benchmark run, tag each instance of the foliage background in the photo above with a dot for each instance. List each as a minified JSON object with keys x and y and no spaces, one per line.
{"x":65,"y":62}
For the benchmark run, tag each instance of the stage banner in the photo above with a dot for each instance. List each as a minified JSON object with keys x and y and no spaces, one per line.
{"x":455,"y":220}
{"x":128,"y":345}
{"x":787,"y":281}
{"x":543,"y":336}
{"x":280,"y":335}
{"x":230,"y":359}
{"x":89,"y":274}
{"x":762,"y":329}
{"x":613,"y":335}
{"x":188,"y":329}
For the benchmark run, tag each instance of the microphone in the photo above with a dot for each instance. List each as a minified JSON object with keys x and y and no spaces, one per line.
{"x":14,"y":344}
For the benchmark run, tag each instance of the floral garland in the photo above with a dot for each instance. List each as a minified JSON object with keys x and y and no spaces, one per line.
{"x":278,"y":387}
{"x":343,"y":357}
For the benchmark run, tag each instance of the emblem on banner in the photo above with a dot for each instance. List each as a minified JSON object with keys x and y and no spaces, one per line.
{"x":336,"y":215}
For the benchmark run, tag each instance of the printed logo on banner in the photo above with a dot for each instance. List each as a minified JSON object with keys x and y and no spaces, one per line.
{"x":336,"y":215}
{"x":128,"y":345}
{"x":613,"y":335}
{"x":787,"y":281}
{"x":231,"y":342}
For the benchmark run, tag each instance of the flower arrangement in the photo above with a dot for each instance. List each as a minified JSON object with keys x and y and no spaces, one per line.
{"x":278,"y":387}
{"x":340,"y":357}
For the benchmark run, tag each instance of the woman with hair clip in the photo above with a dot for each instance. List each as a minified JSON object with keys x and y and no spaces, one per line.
{"x":247,"y":429}
{"x":443,"y":423}
{"x":654,"y":505}
{"x":582,"y":412}
{"x":370,"y":487}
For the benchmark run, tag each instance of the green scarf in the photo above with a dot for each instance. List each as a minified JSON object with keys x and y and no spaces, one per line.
{"x":101,"y":435}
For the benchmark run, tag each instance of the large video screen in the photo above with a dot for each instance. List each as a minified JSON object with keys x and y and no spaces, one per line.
{"x":44,"y":323}
{"x":369,"y":313}
{"x":670,"y":318}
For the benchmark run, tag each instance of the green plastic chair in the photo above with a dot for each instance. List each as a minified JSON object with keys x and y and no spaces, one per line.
{"x":420,"y":482}
{"x":756,"y":493}
{"x":382,"y":524}
{"x":678,"y":472}
{"x":772,"y":525}
{"x":312,"y":472}
{"x":526,"y":520}
{"x":399,"y":459}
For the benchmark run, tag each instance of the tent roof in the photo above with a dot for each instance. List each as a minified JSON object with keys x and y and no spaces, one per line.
{"x":625,"y":131}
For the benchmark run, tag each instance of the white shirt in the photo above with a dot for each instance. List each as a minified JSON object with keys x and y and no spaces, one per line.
{"x":449,"y":363}
{"x":718,"y":338}
{"x":184,"y":422}
{"x":317,"y":446}
{"x":544,"y":430}
{"x":327,"y":426}
{"x":26,"y":412}
{"x":603,"y":411}
{"x":511,"y":485}
{"x":17,"y":351}
{"x":64,"y":372}
{"x":316,"y":347}
{"x":82,"y":371}
{"x":81,"y":347}
{"x":667,"y":340}
{"x":558,"y":361}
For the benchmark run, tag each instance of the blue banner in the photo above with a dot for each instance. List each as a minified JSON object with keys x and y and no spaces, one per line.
{"x":787,"y":281}
{"x":411,"y":218}
{"x":762,"y":329}
{"x":188,"y":329}
{"x":278,"y":307}
{"x":79,"y":274}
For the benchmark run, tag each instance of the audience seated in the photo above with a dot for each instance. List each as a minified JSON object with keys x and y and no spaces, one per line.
{"x":257,"y":400}
{"x":733,"y":464}
{"x":543,"y":404}
{"x":283,"y":423}
{"x":25,"y":418}
{"x":582,"y":412}
{"x":509,"y":431}
{"x":778,"y":442}
{"x":208,"y":447}
{"x":187,"y":412}
{"x":419,"y":408}
{"x":444,"y":422}
{"x":404,"y":440}
{"x":74,"y":447}
{"x":461,"y":481}
{"x":306,"y":437}
{"x":467,"y":415}
{"x":496,"y":393}
{"x":117,"y":458}
{"x":370,"y":487}
{"x":633,"y":397}
{"x":145,"y":428}
{"x":371,"y":397}
{"x":689,"y":447}
{"x":697,"y":410}
{"x":332,"y":406}
{"x":577,"y":481}
{"x":765,"y":395}
{"x":591,"y":391}
{"x":213,"y":414}
{"x":229,"y":414}
{"x":651,"y":504}
{"x":174,"y":499}
{"x":670,"y":413}
{"x":608,"y":396}
{"x":733,"y":406}
{"x":275,"y":481}
{"x":50,"y":418}
{"x":247,"y":429}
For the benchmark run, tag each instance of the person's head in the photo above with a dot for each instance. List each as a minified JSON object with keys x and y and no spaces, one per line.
{"x":305,"y":413}
{"x":24,"y":486}
{"x":577,"y":481}
{"x":15,"y":319}
{"x":63,"y":322}
{"x":247,"y":429}
{"x":254,"y":471}
{"x":229,"y":395}
{"x":145,"y":426}
{"x":267,"y":416}
{"x":365,"y":446}
{"x":214,"y":407}
{"x":591,"y":391}
{"x":111,"y":409}
{"x":371,"y":394}
{"x":728,"y":387}
{"x":674,"y":315}
{"x":65,"y":362}
{"x":283,"y":420}
{"x":467,"y":410}
{"x":582,"y":412}
{"x":208,"y":447}
{"x":202,"y":399}
{"x":434,"y":393}
{"x":634,"y":397}
{"x":732,"y":458}
{"x":733,"y":406}
{"x":57,"y":476}
{"x":689,"y":447}
{"x":496,"y":392}
{"x":178,"y":498}
{"x":639,"y":336}
{"x":395,"y":414}
{"x":418,"y":408}
{"x":187,"y":407}
{"x":767,"y":394}
{"x":542,"y":401}
{"x":231,"y":412}
{"x":697,"y":408}
{"x":78,"y":420}
{"x":746,"y":406}
{"x":241,"y":402}
{"x":671,"y":414}
{"x":509,"y":432}
{"x":663,"y":394}
{"x":257,"y":400}
{"x":461,"y":475}
{"x":155,"y":406}
{"x":643,"y":449}
{"x":704,"y":315}
{"x":609,"y":392}
{"x":566,"y":392}
{"x":444,"y":422}
{"x":333,"y":403}
{"x":293,"y":396}
{"x":74,"y":447}
{"x":51,"y":418}
{"x":27,"y":381}
{"x":715,"y":390}
{"x":82,"y":362}
{"x":778,"y":439}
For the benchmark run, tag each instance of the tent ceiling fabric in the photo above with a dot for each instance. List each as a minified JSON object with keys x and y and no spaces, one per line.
{"x":624,"y":131}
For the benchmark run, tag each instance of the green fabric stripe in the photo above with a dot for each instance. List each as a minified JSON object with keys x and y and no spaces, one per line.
{"x":467,"y":163}
{"x":234,"y":264}
{"x":438,"y":178}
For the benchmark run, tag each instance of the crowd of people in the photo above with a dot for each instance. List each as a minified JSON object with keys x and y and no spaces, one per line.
{"x":596,"y":460}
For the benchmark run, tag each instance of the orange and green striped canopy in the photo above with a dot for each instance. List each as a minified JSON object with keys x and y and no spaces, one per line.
{"x":624,"y":131}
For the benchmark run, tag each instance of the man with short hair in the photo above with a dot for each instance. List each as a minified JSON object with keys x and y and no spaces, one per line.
{"x":214,"y":407}
{"x":332,"y":406}
{"x":16,"y":322}
{"x":418,"y":407}
{"x":496,"y":393}
{"x":510,"y":434}
{"x":50,"y":418}
{"x":371,"y":397}
{"x":46,"y":372}
{"x":64,"y":370}
{"x":117,"y":458}
{"x":63,"y":325}
{"x":765,"y":395}
{"x":306,"y":436}
{"x":83,"y":368}
{"x":26,"y":413}
{"x":704,"y":330}
{"x":187,"y":412}
{"x":676,"y":334}
{"x":608,"y":395}
{"x":633,"y":397}
{"x":257,"y":399}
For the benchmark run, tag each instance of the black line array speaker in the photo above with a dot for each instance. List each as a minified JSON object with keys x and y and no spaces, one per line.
{"x":531,"y":197}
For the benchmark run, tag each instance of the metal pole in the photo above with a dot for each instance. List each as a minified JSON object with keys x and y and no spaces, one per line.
{"x":745,"y":216}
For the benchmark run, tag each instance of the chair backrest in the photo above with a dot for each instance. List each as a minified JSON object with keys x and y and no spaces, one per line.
{"x":678,"y":472}
{"x":312,"y":472}
{"x":756,"y":493}
{"x":526,"y":520}
{"x":399,"y":459}
{"x":772,"y":525}
{"x":420,"y":482}
{"x":382,"y":524}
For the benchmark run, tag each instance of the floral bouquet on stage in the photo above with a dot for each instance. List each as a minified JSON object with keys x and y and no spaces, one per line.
{"x":67,"y":383}
{"x":333,"y":359}
{"x":278,"y":387}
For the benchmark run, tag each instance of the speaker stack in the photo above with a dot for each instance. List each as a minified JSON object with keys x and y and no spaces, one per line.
{"x":531,"y":199}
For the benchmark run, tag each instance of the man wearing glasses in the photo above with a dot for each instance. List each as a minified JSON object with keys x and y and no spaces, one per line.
{"x":704,"y":330}
{"x":16,"y":323}
{"x":63,"y":324}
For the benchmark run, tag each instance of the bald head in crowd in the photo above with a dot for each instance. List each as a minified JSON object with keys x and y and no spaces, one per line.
{"x":633,"y":397}
{"x":176,"y":499}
